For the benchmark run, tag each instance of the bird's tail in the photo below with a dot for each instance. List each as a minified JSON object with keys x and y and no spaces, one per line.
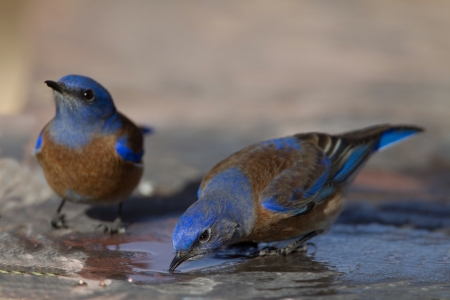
{"x":146,"y":130}
{"x":386,"y":135}
{"x":349,"y":151}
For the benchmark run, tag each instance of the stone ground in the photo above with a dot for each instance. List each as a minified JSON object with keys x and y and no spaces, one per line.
{"x":212,"y":77}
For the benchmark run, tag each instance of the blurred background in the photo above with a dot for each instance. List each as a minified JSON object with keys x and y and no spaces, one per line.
{"x":214,"y":76}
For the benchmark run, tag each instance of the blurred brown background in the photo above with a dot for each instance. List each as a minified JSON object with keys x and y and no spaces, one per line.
{"x":214,"y":76}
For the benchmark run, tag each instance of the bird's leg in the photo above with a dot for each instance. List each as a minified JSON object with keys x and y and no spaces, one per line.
{"x":117,"y":226}
{"x":118,"y":221}
{"x":59,"y":220}
{"x":294,"y":246}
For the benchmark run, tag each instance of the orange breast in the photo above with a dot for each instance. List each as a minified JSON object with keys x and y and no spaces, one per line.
{"x":95,"y":174}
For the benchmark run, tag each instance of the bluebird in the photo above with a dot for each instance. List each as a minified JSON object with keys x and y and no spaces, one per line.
{"x":280,"y":189}
{"x":90,"y":153}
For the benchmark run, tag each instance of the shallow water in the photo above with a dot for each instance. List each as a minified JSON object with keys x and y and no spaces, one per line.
{"x":385,"y":249}
{"x":157,"y":257}
{"x":360,"y":254}
{"x":381,"y":260}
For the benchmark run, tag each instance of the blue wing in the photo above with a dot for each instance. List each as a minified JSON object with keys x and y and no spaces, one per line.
{"x":328,"y":163}
{"x":129,"y":143}
{"x":38,"y":146}
{"x":299,"y":189}
{"x":126,"y":153}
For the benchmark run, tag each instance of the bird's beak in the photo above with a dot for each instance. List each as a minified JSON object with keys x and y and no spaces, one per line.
{"x":55,"y":86}
{"x":179,"y":258}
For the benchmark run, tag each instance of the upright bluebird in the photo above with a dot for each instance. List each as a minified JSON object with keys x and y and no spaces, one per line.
{"x":280,"y":189}
{"x":90,"y":153}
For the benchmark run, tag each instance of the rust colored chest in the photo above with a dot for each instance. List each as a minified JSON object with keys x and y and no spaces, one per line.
{"x":93,"y":174}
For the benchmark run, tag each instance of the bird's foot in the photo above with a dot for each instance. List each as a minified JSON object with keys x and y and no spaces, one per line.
{"x":58,"y":221}
{"x":270,"y":251}
{"x":298,"y":245}
{"x":115,"y":227}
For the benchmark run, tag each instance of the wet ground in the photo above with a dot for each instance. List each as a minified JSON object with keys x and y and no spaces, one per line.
{"x":387,"y":243}
{"x":211,"y":79}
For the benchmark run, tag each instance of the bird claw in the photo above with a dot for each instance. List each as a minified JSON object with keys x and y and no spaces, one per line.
{"x":269,"y":251}
{"x":115,"y":227}
{"x":58,"y":221}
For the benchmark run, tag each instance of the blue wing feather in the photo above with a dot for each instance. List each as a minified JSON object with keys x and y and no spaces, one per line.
{"x":318,"y":185}
{"x":38,"y":146}
{"x":352,"y":162}
{"x":344,"y":155}
{"x":286,"y":143}
{"x":314,"y":191}
{"x":126,"y":153}
{"x":325,"y":192}
{"x":272,"y":204}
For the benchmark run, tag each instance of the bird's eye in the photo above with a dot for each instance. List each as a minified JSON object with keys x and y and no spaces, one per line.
{"x":205,"y":236}
{"x":88,"y":95}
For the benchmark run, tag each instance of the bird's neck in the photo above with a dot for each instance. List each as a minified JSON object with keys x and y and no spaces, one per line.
{"x":233,"y":193}
{"x":236,"y":206}
{"x":76,"y":130}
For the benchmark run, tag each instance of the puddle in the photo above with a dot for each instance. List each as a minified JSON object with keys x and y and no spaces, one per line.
{"x":348,"y":258}
{"x":351,"y":255}
{"x":157,"y":257}
{"x":363,"y":253}
{"x":142,"y":255}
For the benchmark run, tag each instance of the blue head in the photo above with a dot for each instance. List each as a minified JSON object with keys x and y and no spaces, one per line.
{"x":204,"y":228}
{"x":83,"y":108}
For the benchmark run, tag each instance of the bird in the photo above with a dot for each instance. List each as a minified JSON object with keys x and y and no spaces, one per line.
{"x":280,"y":189}
{"x":89,"y":152}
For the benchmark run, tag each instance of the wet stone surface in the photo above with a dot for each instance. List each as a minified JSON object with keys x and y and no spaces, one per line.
{"x":378,"y":247}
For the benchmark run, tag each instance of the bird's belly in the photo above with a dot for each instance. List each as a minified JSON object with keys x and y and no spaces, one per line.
{"x":94,"y":175}
{"x":270,"y":227}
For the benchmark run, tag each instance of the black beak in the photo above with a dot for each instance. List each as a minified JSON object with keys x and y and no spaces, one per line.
{"x":55,"y":86}
{"x":178,"y":260}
